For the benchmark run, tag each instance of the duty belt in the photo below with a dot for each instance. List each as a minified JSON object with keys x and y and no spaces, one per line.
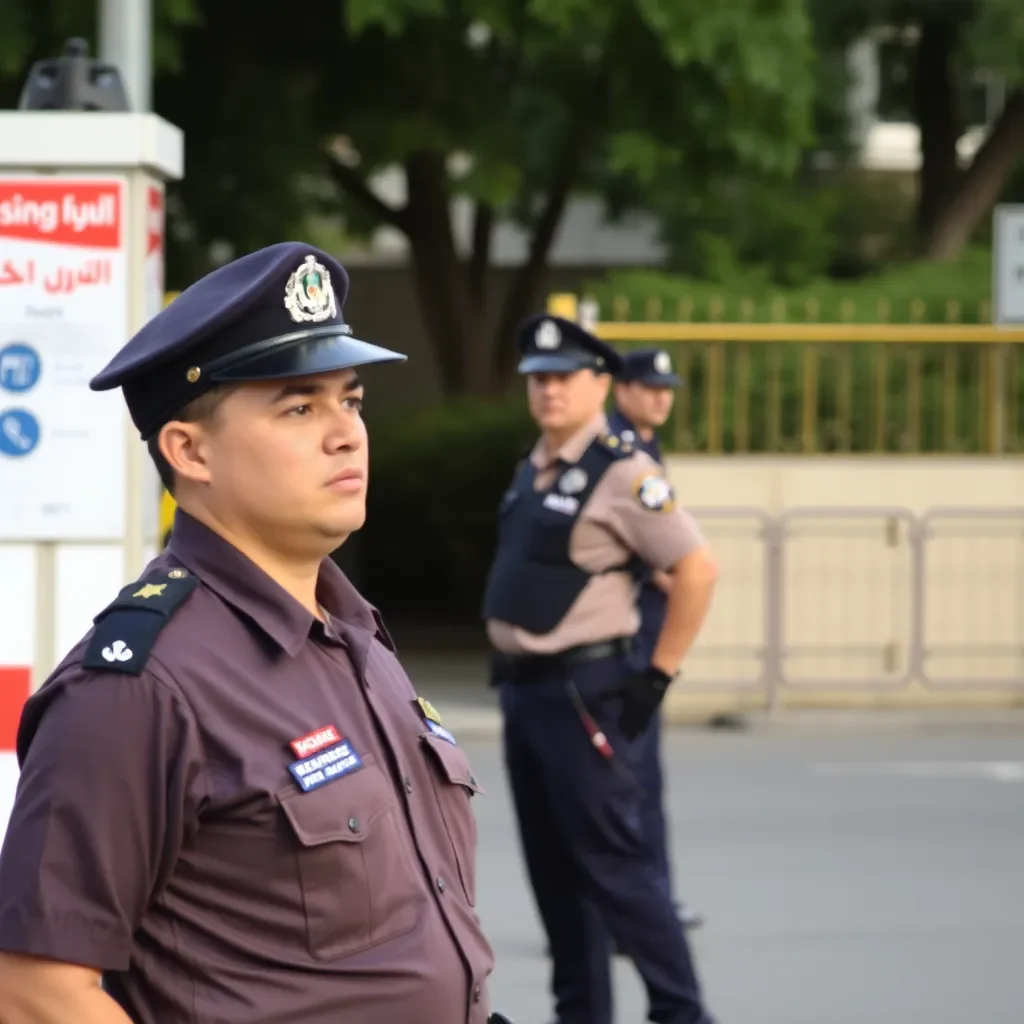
{"x":525,"y":668}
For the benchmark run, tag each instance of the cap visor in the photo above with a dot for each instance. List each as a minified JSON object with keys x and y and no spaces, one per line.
{"x":553,"y":363}
{"x":308,"y":356}
{"x":661,"y":380}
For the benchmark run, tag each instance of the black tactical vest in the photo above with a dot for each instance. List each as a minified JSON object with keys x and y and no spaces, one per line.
{"x":533,"y":583}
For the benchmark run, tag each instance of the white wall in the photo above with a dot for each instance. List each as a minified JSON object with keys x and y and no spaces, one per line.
{"x":828,"y":559}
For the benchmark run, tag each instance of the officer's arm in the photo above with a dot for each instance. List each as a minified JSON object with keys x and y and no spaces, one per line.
{"x":693,"y":580}
{"x":111,"y":780}
{"x":643,"y":511}
{"x":34,"y":991}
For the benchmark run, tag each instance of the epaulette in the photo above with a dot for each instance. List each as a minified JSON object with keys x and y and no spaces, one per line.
{"x":128,"y":627}
{"x":614,"y":444}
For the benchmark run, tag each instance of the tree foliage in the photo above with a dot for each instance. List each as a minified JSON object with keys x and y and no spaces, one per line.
{"x":544,"y":98}
{"x":954,"y":38}
{"x":510,"y":106}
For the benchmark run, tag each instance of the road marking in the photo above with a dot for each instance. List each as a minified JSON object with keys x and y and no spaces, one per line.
{"x":988,"y":771}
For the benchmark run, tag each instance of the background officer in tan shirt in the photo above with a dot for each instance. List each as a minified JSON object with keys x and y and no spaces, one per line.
{"x":233,"y":805}
{"x":584,"y":517}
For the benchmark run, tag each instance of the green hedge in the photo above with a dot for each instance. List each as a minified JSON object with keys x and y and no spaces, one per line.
{"x":436,"y":479}
{"x":750,"y":295}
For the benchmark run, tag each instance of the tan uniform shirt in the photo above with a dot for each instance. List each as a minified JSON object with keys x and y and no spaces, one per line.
{"x":613,"y":525}
{"x":159,"y":835}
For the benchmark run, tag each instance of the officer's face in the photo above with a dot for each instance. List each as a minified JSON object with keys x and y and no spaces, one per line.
{"x":645,"y":406}
{"x":285,"y":461}
{"x":566,"y":401}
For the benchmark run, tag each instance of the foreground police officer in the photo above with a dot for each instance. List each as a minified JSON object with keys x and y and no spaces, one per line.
{"x":644,"y":393}
{"x":583,"y":517}
{"x":233,"y":806}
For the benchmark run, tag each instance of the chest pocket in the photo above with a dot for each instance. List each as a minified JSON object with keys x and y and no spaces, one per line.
{"x":454,"y":786}
{"x":358,"y":889}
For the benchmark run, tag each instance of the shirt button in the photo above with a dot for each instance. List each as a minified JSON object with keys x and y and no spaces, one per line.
{"x":353,"y":824}
{"x":407,"y":782}
{"x":476,"y":993}
{"x":440,"y":884}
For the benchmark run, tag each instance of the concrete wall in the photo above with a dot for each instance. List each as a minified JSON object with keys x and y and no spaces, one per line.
{"x":858,"y":581}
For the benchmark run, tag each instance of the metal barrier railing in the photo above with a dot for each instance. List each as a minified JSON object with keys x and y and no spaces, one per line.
{"x":808,"y":388}
{"x":865,"y":599}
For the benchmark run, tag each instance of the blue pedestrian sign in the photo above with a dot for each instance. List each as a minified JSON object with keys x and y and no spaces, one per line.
{"x":19,"y":432}
{"x":20,"y":367}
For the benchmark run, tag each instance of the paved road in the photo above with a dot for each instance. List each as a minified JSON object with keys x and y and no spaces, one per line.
{"x":849,"y":876}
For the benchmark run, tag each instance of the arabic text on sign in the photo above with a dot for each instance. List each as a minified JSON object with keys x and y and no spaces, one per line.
{"x":62,"y":280}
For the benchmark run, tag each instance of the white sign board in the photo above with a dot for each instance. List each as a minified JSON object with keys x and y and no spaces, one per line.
{"x":63,"y":315}
{"x":1008,"y":265}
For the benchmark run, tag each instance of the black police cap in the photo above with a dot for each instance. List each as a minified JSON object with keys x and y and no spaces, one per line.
{"x":272,"y":314}
{"x":552,"y":344}
{"x":650,"y":366}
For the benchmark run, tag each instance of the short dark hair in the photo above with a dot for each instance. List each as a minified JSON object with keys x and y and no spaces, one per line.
{"x":198,"y":411}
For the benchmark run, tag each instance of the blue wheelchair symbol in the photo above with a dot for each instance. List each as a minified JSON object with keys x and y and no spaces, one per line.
{"x":19,"y":432}
{"x":20,"y":367}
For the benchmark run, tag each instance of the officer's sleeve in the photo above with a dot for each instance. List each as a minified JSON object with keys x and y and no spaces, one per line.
{"x":640,"y":506}
{"x":111,"y":778}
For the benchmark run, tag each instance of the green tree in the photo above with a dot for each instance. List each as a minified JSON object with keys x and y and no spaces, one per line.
{"x":544,"y":99}
{"x":511,"y":105}
{"x":953,"y":38}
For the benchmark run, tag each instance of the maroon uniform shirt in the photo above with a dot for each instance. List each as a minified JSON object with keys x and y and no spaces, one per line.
{"x":167,"y":833}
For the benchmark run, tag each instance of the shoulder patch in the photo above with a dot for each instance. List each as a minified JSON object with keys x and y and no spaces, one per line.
{"x":654,"y":492}
{"x":615,"y":445}
{"x":128,"y":627}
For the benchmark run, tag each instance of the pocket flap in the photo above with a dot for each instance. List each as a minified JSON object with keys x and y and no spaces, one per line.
{"x":454,"y":763}
{"x":342,"y":811}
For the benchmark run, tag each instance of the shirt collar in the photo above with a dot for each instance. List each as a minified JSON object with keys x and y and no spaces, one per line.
{"x":620,"y":422}
{"x":572,"y":450}
{"x":246,"y":587}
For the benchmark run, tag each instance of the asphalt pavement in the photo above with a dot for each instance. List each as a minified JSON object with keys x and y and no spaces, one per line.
{"x":849,"y":872}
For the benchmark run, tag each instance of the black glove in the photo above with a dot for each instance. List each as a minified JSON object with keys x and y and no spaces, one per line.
{"x":641,"y":699}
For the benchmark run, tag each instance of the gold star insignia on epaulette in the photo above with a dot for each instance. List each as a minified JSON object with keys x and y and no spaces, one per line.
{"x":428,"y":709}
{"x":612,"y":441}
{"x":151,"y":590}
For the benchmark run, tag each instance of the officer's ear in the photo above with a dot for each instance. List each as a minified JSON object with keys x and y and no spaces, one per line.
{"x":181,"y":445}
{"x":180,"y":442}
{"x":603,"y":383}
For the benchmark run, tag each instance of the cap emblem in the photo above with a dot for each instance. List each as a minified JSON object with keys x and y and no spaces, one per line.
{"x":548,"y":336}
{"x":662,"y":363}
{"x":309,"y":295}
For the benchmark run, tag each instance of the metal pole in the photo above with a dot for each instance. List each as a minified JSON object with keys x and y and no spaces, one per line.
{"x":126,"y":40}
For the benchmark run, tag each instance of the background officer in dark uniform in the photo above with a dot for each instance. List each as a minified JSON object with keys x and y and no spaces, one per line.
{"x":583,"y":517}
{"x":644,"y":393}
{"x":233,"y":805}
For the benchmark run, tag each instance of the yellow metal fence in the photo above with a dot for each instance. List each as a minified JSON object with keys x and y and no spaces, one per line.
{"x":835,"y":387}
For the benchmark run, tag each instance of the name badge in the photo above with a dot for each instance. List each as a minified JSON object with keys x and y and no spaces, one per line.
{"x":440,"y":730}
{"x":325,"y":766}
{"x":562,"y":503}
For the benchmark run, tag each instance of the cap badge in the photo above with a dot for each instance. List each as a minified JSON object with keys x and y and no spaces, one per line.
{"x":548,"y":336}
{"x":309,"y":295}
{"x":662,"y":363}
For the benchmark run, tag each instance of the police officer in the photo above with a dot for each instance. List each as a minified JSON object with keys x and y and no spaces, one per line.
{"x":585,"y":514}
{"x":644,"y":392}
{"x":233,"y":804}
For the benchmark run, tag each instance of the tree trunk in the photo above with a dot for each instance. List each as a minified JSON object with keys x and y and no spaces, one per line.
{"x":979,"y":187}
{"x":453,"y":319}
{"x":936,"y":110}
